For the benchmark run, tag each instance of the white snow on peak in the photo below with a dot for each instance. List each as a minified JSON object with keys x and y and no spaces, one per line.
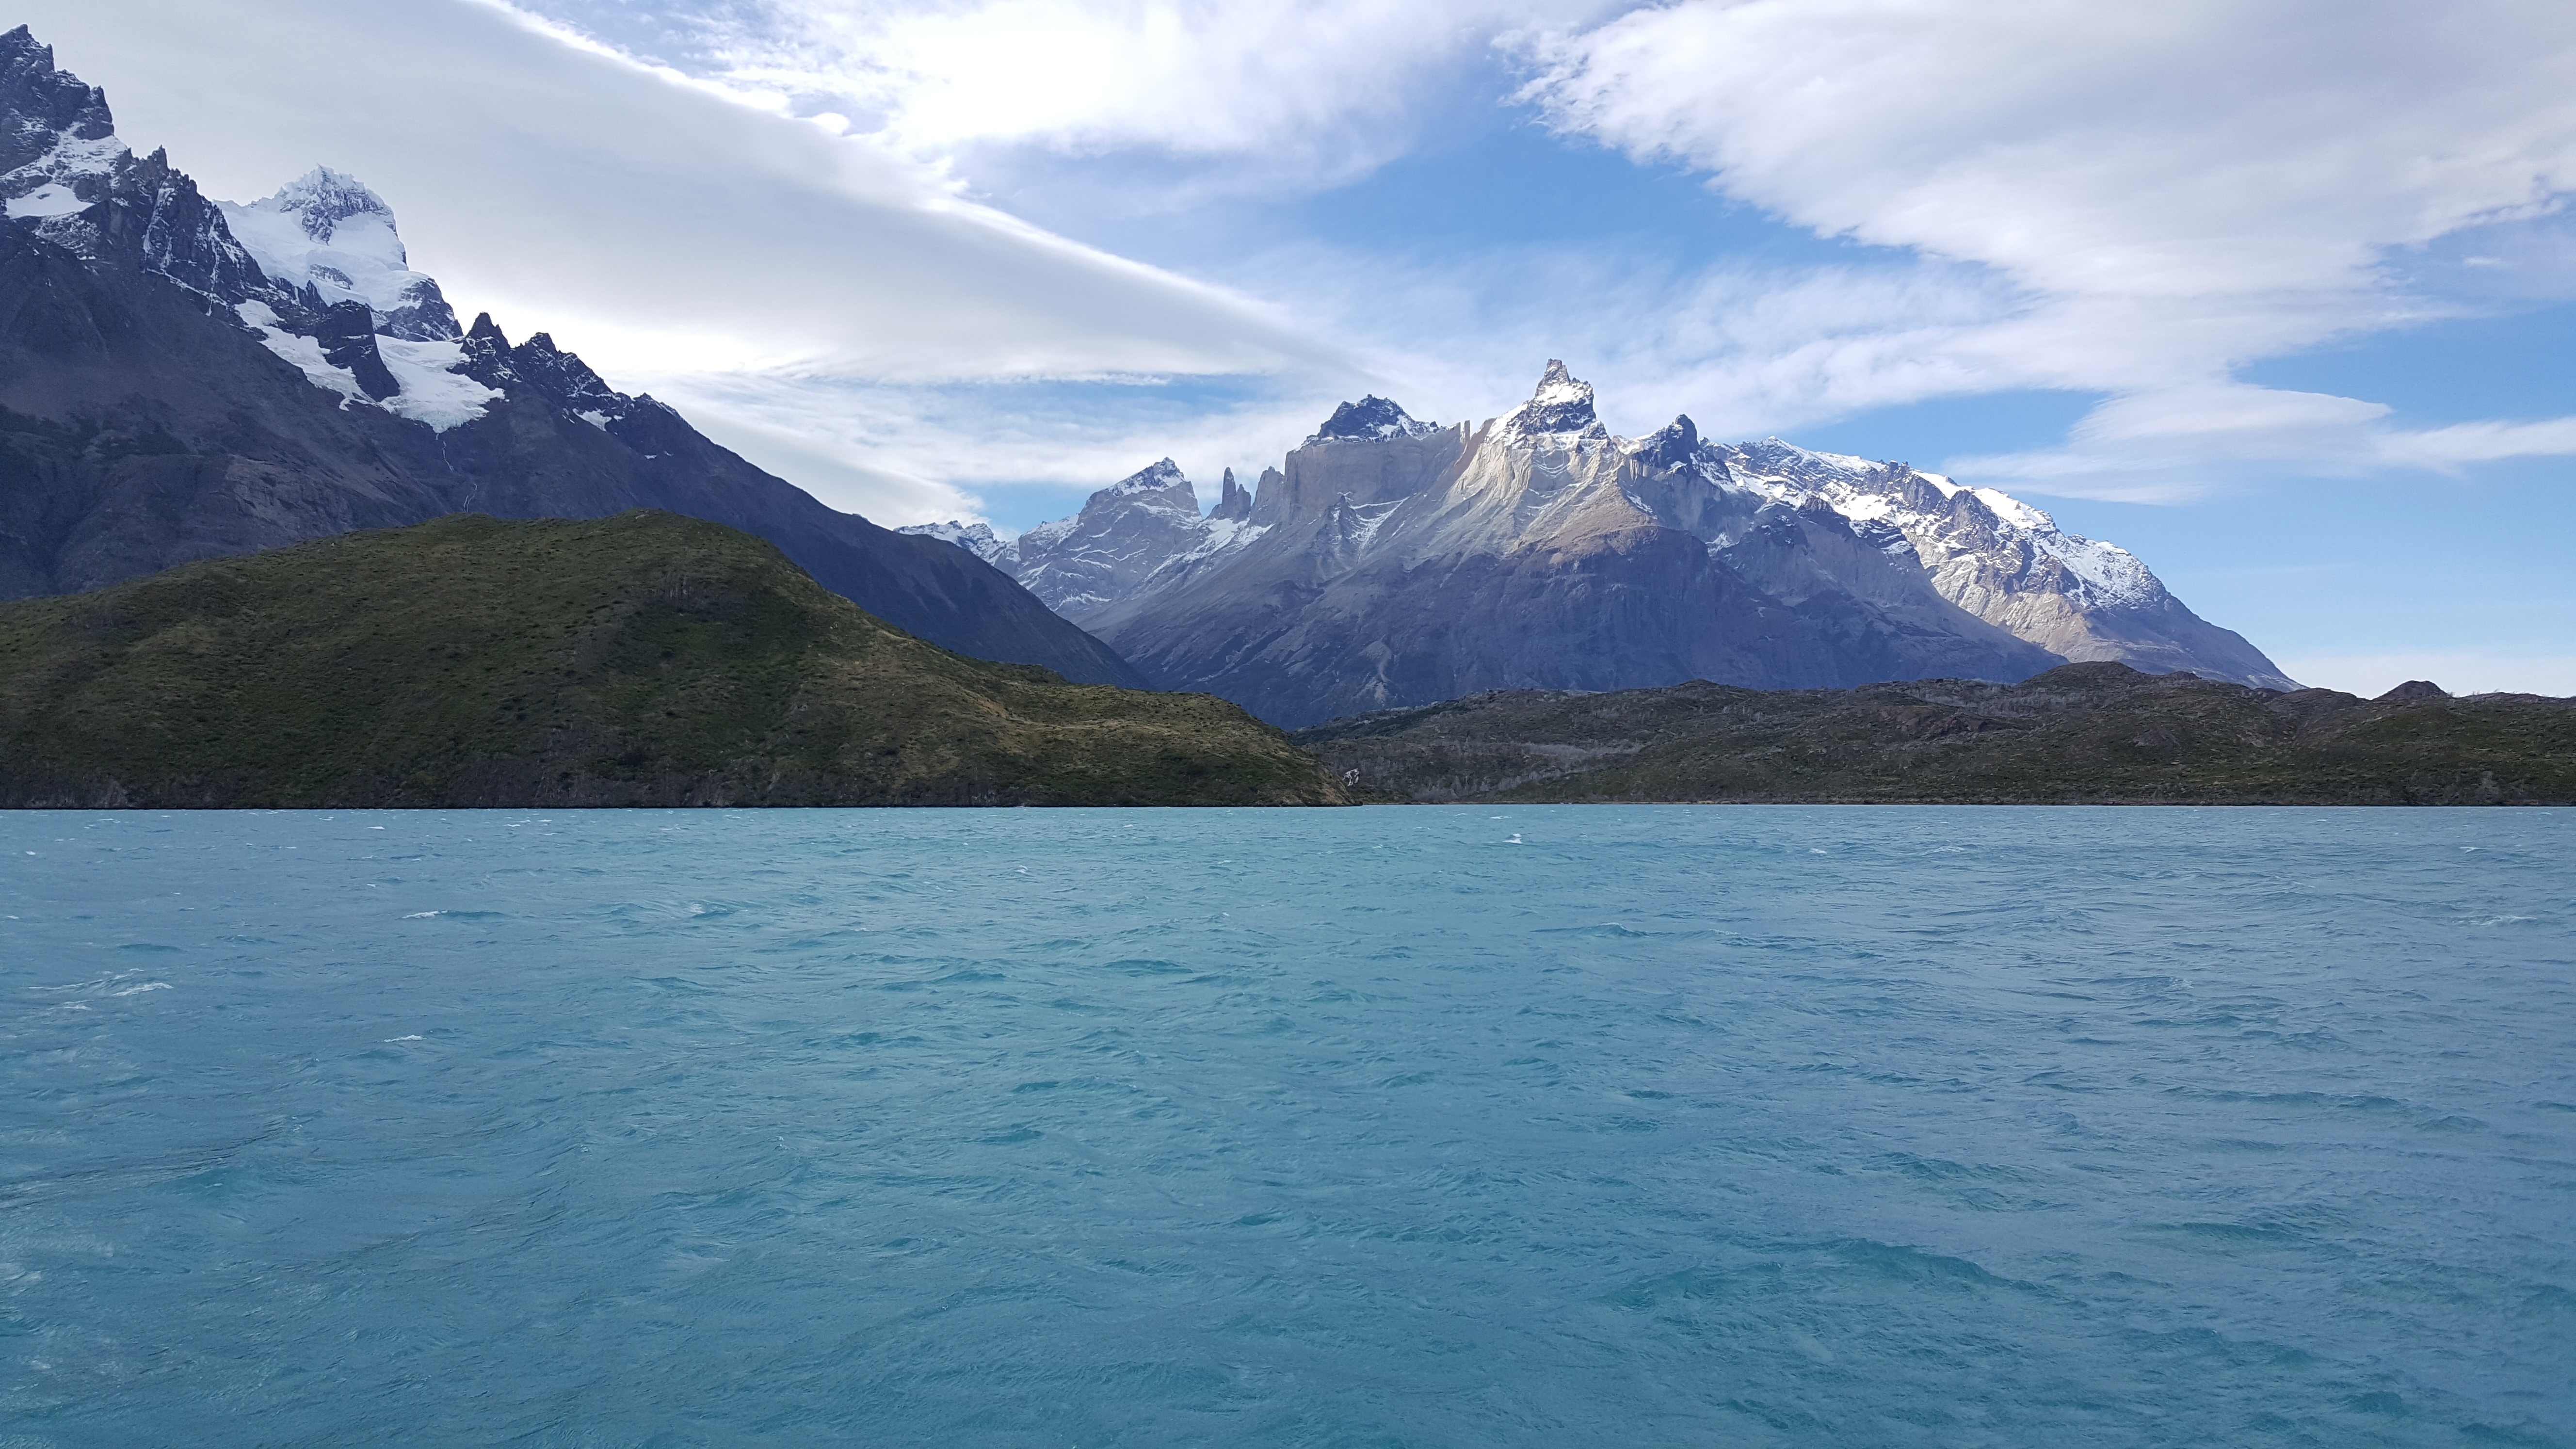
{"x":1873,"y":493}
{"x":1372,"y":419}
{"x":1153,"y":478}
{"x":2010,"y":509}
{"x":976,"y":538}
{"x":1559,"y":414}
{"x":329,"y":231}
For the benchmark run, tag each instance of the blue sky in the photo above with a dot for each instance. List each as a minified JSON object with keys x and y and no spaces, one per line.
{"x":2279,"y":295}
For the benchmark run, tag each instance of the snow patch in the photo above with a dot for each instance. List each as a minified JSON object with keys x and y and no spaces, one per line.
{"x":433,"y":391}
{"x":2013,"y":511}
{"x":304,"y":352}
{"x":51,"y":199}
{"x":976,"y":538}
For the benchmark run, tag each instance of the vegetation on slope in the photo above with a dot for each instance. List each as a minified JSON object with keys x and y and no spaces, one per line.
{"x":2081,"y":733}
{"x":644,"y":659}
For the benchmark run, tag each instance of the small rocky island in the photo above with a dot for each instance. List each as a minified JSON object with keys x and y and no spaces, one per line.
{"x":2095,"y":733}
{"x":641,"y":659}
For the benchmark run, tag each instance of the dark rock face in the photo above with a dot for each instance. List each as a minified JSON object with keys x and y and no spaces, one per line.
{"x":347,"y":333}
{"x":143,"y":424}
{"x":1234,"y":504}
{"x":1372,"y":419}
{"x":40,"y":106}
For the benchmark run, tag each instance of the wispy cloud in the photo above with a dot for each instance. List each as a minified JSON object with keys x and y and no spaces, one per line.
{"x":2174,"y":190}
{"x":652,"y":220}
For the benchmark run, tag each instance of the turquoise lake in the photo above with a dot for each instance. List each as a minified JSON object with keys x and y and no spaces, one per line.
{"x":1396,"y":1126}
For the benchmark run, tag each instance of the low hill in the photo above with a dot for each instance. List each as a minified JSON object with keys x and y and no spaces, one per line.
{"x":640,"y":659}
{"x":2081,"y":734}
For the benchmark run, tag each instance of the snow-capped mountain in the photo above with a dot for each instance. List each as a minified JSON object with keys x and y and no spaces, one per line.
{"x":2010,"y":564}
{"x":1391,"y":561}
{"x":327,"y":233}
{"x":976,"y":538}
{"x":181,"y":378}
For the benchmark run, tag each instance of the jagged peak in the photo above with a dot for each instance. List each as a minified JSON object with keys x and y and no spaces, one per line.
{"x":58,"y":141}
{"x":1158,"y":477}
{"x":1558,"y":414}
{"x":40,"y":103}
{"x":1233,"y":501}
{"x":1372,"y":419}
{"x":1674,"y":445}
{"x":976,"y":538}
{"x":321,"y":199}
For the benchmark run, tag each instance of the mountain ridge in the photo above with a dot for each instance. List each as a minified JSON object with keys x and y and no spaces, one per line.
{"x":1390,"y":561}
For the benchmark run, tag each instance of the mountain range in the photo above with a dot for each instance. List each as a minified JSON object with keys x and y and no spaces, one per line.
{"x":1391,"y":561}
{"x":183,"y":379}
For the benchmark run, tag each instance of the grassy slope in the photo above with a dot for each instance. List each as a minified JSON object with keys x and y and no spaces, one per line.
{"x":2081,"y":733}
{"x":640,"y":659}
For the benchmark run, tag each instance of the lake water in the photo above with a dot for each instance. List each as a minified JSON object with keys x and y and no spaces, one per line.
{"x":1742,"y":1126}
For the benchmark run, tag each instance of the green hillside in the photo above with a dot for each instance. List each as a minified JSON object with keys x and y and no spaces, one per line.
{"x":645,"y":659}
{"x":2081,"y":733}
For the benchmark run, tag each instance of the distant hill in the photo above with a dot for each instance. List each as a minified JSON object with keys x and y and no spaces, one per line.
{"x":2099,"y":733}
{"x":642,"y":659}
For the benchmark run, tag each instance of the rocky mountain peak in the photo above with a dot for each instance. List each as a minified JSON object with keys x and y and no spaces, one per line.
{"x":321,"y":199}
{"x":1372,"y":419}
{"x":1234,"y":501}
{"x":329,"y":233}
{"x":1671,"y":446}
{"x":58,"y":146}
{"x":1158,"y":484}
{"x":41,"y":107}
{"x":976,"y":538}
{"x":1559,"y":414}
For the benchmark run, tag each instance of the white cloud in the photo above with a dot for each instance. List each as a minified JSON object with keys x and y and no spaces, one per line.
{"x":2172,"y":190}
{"x":1308,"y":91}
{"x":660,"y":225}
{"x":2193,"y":150}
{"x":2178,"y":443}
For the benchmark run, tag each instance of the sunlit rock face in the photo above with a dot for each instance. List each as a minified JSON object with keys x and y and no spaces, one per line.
{"x":1390,"y":561}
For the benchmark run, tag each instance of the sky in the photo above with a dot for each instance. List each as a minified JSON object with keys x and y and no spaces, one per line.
{"x":2279,"y":295}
